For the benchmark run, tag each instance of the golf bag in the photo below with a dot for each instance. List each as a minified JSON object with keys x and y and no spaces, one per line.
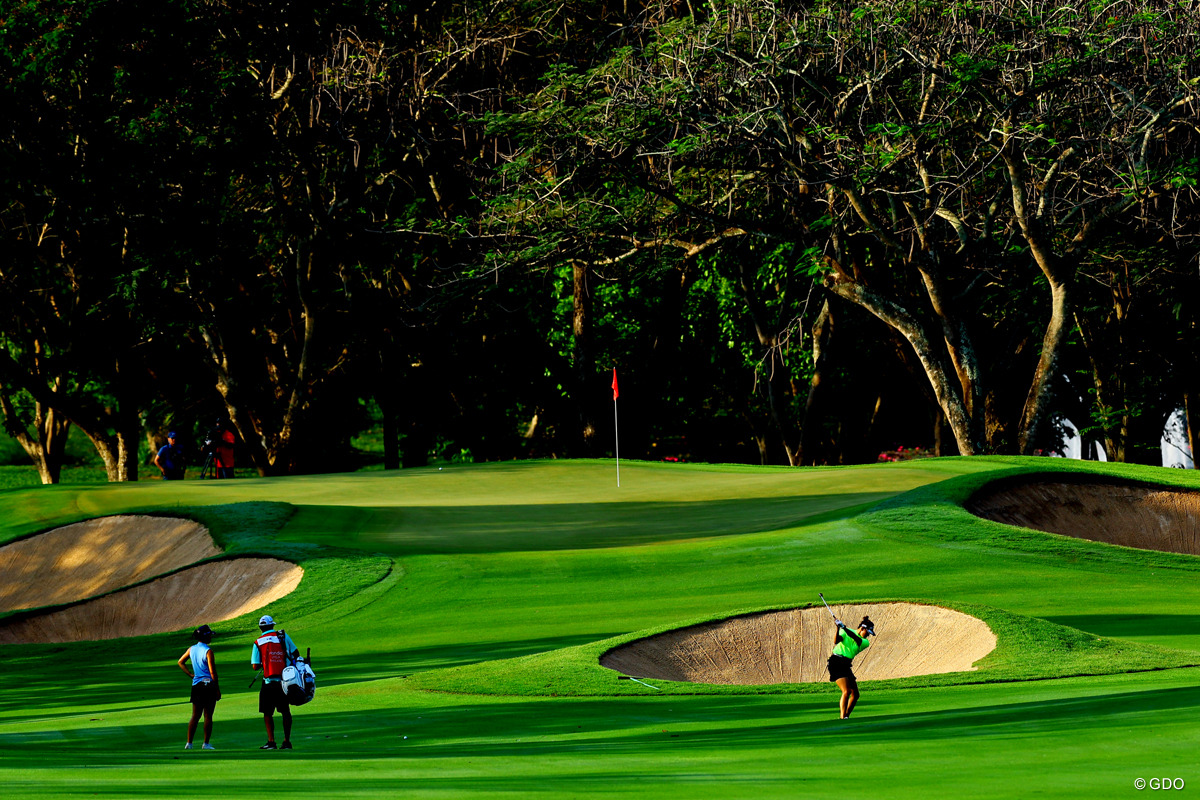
{"x":299,"y":682}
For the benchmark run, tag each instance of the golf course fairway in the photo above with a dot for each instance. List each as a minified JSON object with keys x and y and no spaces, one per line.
{"x":457,"y":617}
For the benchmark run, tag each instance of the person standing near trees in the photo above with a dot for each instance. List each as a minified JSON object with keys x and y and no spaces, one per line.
{"x":223,"y":453}
{"x":205,"y":689}
{"x":169,"y":459}
{"x":271,"y":653}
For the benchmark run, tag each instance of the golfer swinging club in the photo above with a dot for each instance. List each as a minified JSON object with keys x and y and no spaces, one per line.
{"x":846,"y":645}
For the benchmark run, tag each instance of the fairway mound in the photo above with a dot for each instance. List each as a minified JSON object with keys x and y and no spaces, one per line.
{"x":91,"y":558}
{"x":207,"y":593}
{"x":1134,"y":515}
{"x":793,"y":646}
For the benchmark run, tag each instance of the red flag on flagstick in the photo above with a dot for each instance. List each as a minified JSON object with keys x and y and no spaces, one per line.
{"x":616,"y":434}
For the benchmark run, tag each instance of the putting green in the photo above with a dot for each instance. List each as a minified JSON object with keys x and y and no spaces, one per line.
{"x":453,"y":606}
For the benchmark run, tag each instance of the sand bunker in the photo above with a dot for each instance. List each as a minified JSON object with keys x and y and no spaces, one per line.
{"x":793,"y":646}
{"x":95,"y":557}
{"x":206,"y":593}
{"x":1134,"y":515}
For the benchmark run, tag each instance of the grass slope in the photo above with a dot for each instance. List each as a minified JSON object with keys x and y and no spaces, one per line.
{"x":1027,"y":649}
{"x":481,"y":579}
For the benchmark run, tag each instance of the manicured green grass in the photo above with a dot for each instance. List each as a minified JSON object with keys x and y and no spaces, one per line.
{"x":1082,"y":737}
{"x":492,"y":588}
{"x":1027,"y":649}
{"x":21,"y":477}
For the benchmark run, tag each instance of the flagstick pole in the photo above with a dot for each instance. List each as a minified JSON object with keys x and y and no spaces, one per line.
{"x":617,"y":436}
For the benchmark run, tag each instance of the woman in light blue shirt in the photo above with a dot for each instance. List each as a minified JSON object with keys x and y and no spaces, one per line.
{"x":205,"y":690}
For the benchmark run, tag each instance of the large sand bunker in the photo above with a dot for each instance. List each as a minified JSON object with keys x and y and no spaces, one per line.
{"x":95,"y":557}
{"x":206,"y":593}
{"x":1130,"y":514}
{"x":793,"y":646}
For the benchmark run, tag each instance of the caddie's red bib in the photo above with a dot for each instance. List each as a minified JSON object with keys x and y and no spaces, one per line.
{"x":270,"y":650}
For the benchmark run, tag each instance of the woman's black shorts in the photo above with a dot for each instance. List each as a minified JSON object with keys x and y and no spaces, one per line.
{"x":839,"y":667}
{"x":205,"y":695}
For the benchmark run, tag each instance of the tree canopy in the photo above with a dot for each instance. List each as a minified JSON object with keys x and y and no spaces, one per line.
{"x":803,"y":232}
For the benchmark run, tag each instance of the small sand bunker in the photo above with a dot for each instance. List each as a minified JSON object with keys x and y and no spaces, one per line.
{"x":94,"y":557}
{"x":206,"y":593}
{"x":1134,"y":515}
{"x":793,"y":646}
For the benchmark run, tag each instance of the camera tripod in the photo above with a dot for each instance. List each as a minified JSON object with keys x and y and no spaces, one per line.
{"x":209,"y":470}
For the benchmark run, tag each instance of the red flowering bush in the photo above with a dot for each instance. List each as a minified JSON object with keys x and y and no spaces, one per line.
{"x":903,"y":453}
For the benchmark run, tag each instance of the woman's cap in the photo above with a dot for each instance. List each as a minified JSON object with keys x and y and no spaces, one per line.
{"x":203,"y":633}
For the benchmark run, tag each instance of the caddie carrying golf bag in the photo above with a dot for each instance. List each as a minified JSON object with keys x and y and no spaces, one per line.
{"x":299,"y":682}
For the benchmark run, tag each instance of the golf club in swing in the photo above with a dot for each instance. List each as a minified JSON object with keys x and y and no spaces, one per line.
{"x":827,"y":608}
{"x":635,"y":680}
{"x":870,"y":631}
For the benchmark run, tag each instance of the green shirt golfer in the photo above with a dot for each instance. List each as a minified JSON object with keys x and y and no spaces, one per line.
{"x":846,"y":645}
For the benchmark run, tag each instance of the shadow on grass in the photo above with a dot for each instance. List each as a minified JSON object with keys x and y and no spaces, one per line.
{"x":147,"y":675}
{"x":415,"y":530}
{"x":612,"y":726}
{"x":1125,"y":625}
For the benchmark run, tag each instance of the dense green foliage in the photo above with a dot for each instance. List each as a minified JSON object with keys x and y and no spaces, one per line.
{"x":804,"y":233}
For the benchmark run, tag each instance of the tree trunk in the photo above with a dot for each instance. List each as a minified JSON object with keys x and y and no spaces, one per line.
{"x":1061,"y":276}
{"x":761,"y":442}
{"x":118,"y":450}
{"x":871,"y":420}
{"x":274,"y":437}
{"x":1037,"y":405}
{"x":667,"y":335}
{"x":583,"y":355}
{"x":947,"y":390}
{"x":779,"y":399}
{"x":46,"y":446}
{"x":779,"y":394}
{"x":958,"y":343}
{"x":1190,"y":421}
{"x":248,"y":427}
{"x":128,"y":439}
{"x":288,"y":449}
{"x":822,"y":335}
{"x":106,"y":448}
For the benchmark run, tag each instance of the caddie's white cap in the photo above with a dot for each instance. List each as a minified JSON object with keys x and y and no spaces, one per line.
{"x":266,"y":619}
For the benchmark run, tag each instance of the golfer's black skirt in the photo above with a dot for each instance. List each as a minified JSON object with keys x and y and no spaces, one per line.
{"x":205,"y":695}
{"x":839,"y":667}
